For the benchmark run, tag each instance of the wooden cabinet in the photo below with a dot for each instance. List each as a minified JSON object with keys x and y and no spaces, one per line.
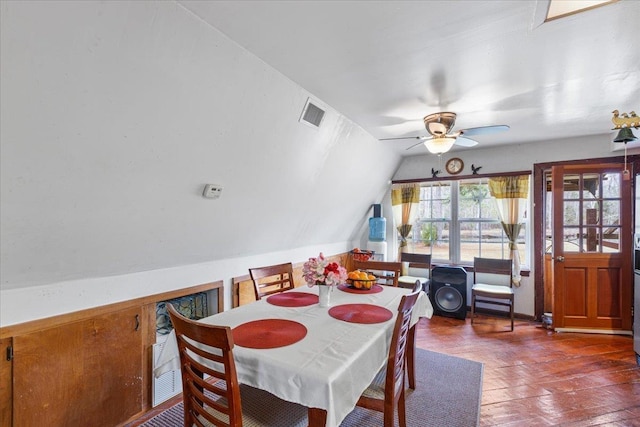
{"x":87,"y":372}
{"x":5,"y":382}
{"x":86,"y":368}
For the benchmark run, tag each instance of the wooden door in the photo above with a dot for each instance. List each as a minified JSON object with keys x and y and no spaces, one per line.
{"x":83,"y":373}
{"x":591,"y":242}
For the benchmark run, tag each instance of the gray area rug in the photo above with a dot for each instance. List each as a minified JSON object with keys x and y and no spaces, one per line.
{"x":448,"y":393}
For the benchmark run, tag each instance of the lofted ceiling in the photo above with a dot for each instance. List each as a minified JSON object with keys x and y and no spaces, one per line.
{"x":387,"y":64}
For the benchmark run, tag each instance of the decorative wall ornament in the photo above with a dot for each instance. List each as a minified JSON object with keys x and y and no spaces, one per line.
{"x":624,"y":120}
{"x":475,"y":169}
{"x":434,"y":173}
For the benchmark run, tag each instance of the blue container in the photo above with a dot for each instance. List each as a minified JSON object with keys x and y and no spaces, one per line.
{"x":377,"y":229}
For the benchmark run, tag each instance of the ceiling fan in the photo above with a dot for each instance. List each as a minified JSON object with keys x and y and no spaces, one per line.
{"x":441,"y":138}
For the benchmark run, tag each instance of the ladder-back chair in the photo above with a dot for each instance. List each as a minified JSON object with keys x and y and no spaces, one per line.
{"x":272,"y":279}
{"x":415,"y":267}
{"x":386,"y":392}
{"x":387,"y":273}
{"x":211,"y":393}
{"x":492,"y":279}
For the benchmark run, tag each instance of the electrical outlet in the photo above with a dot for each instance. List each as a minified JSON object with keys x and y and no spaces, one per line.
{"x":212,"y":191}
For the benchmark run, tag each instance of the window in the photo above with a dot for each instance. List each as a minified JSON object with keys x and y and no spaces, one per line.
{"x":591,"y":212}
{"x":458,"y":220}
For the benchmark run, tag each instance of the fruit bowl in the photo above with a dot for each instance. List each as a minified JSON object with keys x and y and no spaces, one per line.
{"x":360,"y":279}
{"x":361,"y":283}
{"x":360,"y":255}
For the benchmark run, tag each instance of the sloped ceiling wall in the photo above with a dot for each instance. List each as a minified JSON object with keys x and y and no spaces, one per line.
{"x":114,"y":117}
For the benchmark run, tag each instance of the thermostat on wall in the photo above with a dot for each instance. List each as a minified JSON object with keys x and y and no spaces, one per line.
{"x":212,"y":191}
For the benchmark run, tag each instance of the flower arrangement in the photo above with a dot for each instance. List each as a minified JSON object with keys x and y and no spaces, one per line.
{"x":319,"y":271}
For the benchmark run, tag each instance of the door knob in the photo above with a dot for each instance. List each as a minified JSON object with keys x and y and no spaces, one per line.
{"x":560,"y":258}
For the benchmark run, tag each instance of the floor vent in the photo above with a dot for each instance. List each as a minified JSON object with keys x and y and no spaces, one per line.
{"x":312,"y":115}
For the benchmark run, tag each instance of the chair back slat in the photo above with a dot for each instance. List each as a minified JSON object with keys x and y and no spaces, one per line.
{"x":492,"y":271}
{"x":492,"y":284}
{"x":387,"y":273}
{"x":395,"y":376}
{"x":207,"y":350}
{"x":272,"y":279}
{"x":422,"y":260}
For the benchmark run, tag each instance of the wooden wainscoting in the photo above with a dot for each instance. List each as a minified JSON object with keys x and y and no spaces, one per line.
{"x":242,"y":287}
{"x":100,"y":359}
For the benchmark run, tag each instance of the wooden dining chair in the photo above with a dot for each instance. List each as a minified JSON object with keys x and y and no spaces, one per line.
{"x":492,"y":279}
{"x":386,"y":392}
{"x":415,"y":267}
{"x":387,"y":273}
{"x":411,"y":346}
{"x":210,"y":389}
{"x":272,"y":279}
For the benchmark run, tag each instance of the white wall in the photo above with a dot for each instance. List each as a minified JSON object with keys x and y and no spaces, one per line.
{"x":114,"y":117}
{"x":520,"y":157}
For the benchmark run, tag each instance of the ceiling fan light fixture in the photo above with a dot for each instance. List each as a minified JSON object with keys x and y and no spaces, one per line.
{"x":439,"y":145}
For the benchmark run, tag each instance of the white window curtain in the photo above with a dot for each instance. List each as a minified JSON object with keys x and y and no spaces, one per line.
{"x":511,"y":194}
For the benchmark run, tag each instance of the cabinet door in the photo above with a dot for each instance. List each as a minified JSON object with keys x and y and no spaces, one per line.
{"x":5,"y":383}
{"x":83,"y":373}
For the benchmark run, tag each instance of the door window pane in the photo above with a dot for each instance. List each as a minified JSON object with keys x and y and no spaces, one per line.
{"x":571,"y":187}
{"x":591,"y":240}
{"x":611,"y":185}
{"x":591,"y":212}
{"x":591,"y":186}
{"x":572,"y":213}
{"x":571,"y":238}
{"x":611,"y":239}
{"x":611,"y":212}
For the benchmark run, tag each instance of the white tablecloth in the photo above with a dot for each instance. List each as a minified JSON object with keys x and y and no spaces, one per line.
{"x":330,"y":367}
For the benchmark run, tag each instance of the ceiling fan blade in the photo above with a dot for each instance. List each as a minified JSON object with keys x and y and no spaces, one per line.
{"x":419,"y":143}
{"x":465,"y":142}
{"x":484,"y":130}
{"x":402,"y":137}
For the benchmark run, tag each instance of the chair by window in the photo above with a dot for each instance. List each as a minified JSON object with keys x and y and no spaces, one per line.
{"x":387,"y":273}
{"x":386,"y":392}
{"x":210,"y":389}
{"x":272,"y":279}
{"x":492,"y":279}
{"x":415,"y":267}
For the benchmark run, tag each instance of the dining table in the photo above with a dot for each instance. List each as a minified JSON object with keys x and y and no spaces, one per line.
{"x":320,"y":357}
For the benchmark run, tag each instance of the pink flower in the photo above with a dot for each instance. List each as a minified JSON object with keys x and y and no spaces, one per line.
{"x":318,"y":271}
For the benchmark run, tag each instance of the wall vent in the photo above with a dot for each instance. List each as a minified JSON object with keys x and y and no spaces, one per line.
{"x":166,"y":385}
{"x":312,"y":115}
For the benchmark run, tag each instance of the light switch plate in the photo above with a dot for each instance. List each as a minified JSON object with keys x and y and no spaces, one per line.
{"x":212,"y":191}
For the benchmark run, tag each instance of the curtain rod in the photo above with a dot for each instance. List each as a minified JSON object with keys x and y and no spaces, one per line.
{"x":452,"y":178}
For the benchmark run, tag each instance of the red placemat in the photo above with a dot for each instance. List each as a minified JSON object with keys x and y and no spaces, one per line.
{"x":293,"y":299}
{"x":374,"y":289}
{"x":268,"y":333}
{"x":361,"y":313}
